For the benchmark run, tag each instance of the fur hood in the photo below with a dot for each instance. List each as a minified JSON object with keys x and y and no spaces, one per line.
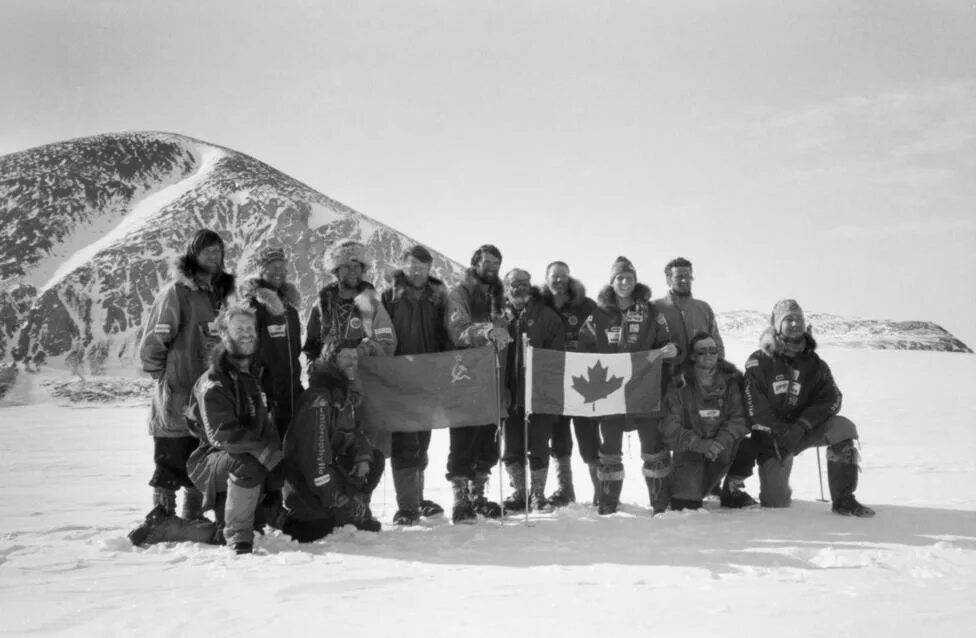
{"x":257,"y":288}
{"x":685,"y":375}
{"x":186,"y":268}
{"x":576,"y":291}
{"x":608,"y":298}
{"x":771,"y":345}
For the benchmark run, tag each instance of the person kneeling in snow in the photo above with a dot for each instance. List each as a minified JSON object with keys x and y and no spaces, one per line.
{"x":793,"y":404}
{"x":239,"y":444}
{"x":705,"y":424}
{"x":331,"y":469}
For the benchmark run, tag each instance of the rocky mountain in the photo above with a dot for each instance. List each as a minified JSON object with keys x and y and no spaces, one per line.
{"x":89,"y":228}
{"x":847,"y":332}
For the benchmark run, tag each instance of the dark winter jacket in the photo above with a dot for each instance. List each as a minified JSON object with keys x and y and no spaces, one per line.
{"x":693,"y":413}
{"x":178,"y":336}
{"x":686,"y":316}
{"x":335,"y":323}
{"x":782,"y":390}
{"x":324,"y":429}
{"x":229,"y":413}
{"x":472,"y":307}
{"x":542,"y":327}
{"x":635,"y":329}
{"x":279,"y":339}
{"x":418,"y":319}
{"x":574,"y":312}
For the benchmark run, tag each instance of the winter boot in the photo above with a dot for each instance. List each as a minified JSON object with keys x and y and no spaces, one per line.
{"x":428,"y":508}
{"x":463,"y":511}
{"x":406,"y":482}
{"x":734,"y":494}
{"x":488,"y":509}
{"x":594,"y":469}
{"x":516,"y":502}
{"x":354,"y":510}
{"x":242,"y":547}
{"x":192,"y":504}
{"x":156,"y":517}
{"x":564,"y":494}
{"x":165,"y":498}
{"x":842,"y":470}
{"x":242,"y":502}
{"x":609,"y":496}
{"x":657,"y":471}
{"x":537,"y":491}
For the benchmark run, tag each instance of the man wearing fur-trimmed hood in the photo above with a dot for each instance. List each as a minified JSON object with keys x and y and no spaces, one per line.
{"x":178,"y":335}
{"x":567,"y":296}
{"x":793,"y":404}
{"x":275,"y":302}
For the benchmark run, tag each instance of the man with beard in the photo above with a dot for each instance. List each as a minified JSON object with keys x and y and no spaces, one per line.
{"x":178,"y":335}
{"x":531,"y":318}
{"x":349,"y":314}
{"x":238,"y":443}
{"x":275,"y":302}
{"x":705,"y":424}
{"x":625,"y":321}
{"x":686,"y":315}
{"x":416,"y":303}
{"x":793,"y":404}
{"x":475,"y":317}
{"x":567,"y":296}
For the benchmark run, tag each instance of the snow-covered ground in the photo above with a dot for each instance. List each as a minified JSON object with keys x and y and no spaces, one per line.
{"x":73,"y":482}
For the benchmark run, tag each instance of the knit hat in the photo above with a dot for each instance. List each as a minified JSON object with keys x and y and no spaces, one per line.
{"x":344,"y":254}
{"x":622,"y":264}
{"x":783,"y":309}
{"x":271,"y":255}
{"x":202,"y":239}
{"x":419,"y":253}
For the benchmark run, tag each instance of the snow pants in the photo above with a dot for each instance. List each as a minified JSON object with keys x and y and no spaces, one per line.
{"x":540,"y":430}
{"x":838,"y":434}
{"x":410,"y":450}
{"x":587,"y":436}
{"x":170,"y":455}
{"x":693,"y":476}
{"x":473,"y":451}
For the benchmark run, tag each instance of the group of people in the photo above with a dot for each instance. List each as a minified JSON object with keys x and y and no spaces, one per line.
{"x":238,"y":434}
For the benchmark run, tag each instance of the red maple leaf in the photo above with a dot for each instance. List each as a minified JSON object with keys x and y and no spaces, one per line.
{"x":596,"y":386}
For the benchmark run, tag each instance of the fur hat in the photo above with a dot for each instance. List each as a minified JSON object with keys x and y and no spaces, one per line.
{"x":344,"y":254}
{"x":622,"y":264}
{"x":271,"y":255}
{"x":783,"y":309}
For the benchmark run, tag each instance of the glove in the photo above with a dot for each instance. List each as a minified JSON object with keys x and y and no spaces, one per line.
{"x":709,"y":448}
{"x":500,"y":337}
{"x":788,"y":438}
{"x":360,"y":470}
{"x":156,"y":376}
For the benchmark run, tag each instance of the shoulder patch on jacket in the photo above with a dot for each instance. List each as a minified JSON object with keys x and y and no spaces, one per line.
{"x":752,"y":363}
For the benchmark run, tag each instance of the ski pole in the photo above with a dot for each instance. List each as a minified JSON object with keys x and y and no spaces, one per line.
{"x":820,"y":476}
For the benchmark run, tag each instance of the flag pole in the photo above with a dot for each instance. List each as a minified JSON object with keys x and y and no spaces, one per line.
{"x":527,"y":410}
{"x":501,"y":425}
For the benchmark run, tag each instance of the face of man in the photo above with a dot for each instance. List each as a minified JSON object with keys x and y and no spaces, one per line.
{"x":275,"y":273}
{"x":210,"y":258}
{"x":557,"y":279}
{"x":705,"y":354}
{"x":241,"y":337}
{"x":623,"y":284}
{"x":679,"y":280}
{"x":415,"y":271}
{"x":518,"y":287}
{"x":350,"y":275}
{"x":488,"y":267}
{"x":792,"y":326}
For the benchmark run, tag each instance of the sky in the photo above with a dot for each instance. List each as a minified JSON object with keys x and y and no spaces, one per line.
{"x":824,"y":151}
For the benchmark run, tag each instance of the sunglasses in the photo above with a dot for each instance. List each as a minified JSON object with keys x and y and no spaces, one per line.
{"x":708,"y":350}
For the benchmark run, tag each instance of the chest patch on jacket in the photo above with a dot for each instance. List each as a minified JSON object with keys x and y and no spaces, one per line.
{"x":277,"y":331}
{"x":613,"y":334}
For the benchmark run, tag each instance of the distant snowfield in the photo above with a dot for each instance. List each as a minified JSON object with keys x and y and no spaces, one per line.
{"x":73,"y":482}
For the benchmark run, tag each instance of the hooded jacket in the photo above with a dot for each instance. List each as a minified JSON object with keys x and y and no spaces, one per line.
{"x":324,"y":428}
{"x":279,"y":339}
{"x":693,"y":413}
{"x":574,"y":312}
{"x":178,"y":336}
{"x":472,"y":308}
{"x":685,"y":316}
{"x":542,"y":327}
{"x":418,"y":320}
{"x":335,"y":323}
{"x":782,"y":390}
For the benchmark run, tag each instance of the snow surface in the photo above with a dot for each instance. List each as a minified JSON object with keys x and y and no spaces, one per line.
{"x":145,"y":209}
{"x":73,"y":482}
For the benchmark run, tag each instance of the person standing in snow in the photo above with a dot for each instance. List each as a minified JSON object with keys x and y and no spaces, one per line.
{"x":705,"y":425}
{"x":417,"y":304}
{"x":684,"y":314}
{"x":475,"y":317}
{"x":275,"y":302}
{"x":567,"y":296}
{"x":179,"y":332}
{"x":793,"y":404}
{"x":625,"y":321}
{"x":532,"y":318}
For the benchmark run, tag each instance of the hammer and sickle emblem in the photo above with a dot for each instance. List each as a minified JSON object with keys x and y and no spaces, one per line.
{"x":460,"y":371}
